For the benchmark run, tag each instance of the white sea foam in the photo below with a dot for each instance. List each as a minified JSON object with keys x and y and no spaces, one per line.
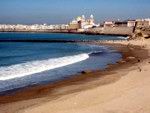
{"x":121,"y":37}
{"x":33,"y":67}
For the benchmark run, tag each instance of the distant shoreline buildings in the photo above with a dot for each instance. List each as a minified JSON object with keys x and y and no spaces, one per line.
{"x":128,"y":23}
{"x":81,"y":25}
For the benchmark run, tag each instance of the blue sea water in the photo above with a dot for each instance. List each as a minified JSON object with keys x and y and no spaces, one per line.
{"x":29,"y":63}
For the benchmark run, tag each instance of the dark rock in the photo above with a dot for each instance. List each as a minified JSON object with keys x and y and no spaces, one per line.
{"x":85,"y":72}
{"x":139,"y":60}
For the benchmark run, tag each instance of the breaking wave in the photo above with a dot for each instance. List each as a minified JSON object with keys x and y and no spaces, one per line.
{"x":33,"y":67}
{"x":121,"y":37}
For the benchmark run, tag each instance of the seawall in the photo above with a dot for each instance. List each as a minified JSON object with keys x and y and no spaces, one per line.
{"x":121,"y":30}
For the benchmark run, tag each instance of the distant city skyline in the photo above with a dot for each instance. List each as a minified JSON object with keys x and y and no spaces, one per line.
{"x":63,"y":11}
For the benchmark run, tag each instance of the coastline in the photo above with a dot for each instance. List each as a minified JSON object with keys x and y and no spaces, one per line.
{"x":68,"y":32}
{"x":30,"y":97}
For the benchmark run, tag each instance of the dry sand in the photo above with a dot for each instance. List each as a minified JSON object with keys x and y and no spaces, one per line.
{"x":131,"y":94}
{"x":124,"y":90}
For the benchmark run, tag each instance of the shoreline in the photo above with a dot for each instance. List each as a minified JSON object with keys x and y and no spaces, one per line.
{"x":82,"y":33}
{"x":32,"y":96}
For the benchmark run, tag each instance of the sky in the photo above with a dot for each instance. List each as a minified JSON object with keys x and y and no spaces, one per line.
{"x":63,"y":11}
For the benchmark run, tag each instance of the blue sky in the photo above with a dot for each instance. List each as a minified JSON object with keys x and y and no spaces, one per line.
{"x":62,"y":11}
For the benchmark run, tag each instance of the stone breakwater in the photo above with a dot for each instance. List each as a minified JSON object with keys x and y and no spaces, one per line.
{"x":36,"y":30}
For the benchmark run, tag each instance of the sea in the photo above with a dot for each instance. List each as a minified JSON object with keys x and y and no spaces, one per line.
{"x":25,"y":64}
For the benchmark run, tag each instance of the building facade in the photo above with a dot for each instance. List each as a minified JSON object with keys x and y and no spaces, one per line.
{"x":81,"y":23}
{"x":131,"y":23}
{"x":143,"y":22}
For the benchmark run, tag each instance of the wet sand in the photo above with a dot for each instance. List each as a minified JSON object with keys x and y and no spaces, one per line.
{"x":86,"y":92}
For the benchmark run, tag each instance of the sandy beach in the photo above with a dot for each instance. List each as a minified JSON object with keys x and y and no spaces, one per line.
{"x":121,"y":88}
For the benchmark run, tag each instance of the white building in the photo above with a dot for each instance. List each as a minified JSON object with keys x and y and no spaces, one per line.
{"x":109,"y":24}
{"x":131,"y":23}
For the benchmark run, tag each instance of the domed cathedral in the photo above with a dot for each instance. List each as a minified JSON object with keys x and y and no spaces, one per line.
{"x":82,"y":23}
